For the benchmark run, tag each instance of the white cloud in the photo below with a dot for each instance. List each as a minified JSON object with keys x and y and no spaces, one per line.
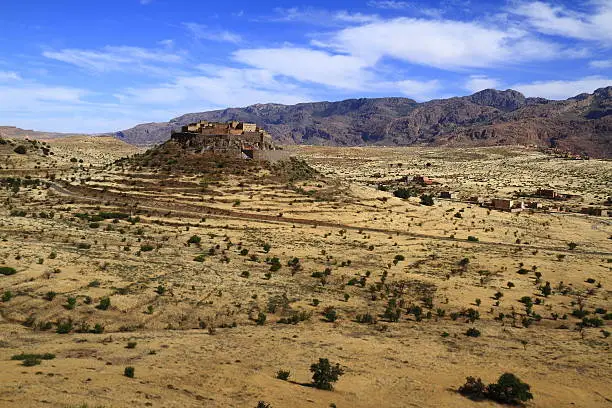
{"x":477,"y":83}
{"x":601,"y":64}
{"x":6,"y":76}
{"x":389,"y":4}
{"x":202,"y":32}
{"x":444,"y":44}
{"x":111,"y":58}
{"x":321,"y":17}
{"x":558,"y":20}
{"x":216,"y":87}
{"x":419,"y":90}
{"x":308,"y":65}
{"x":563,"y":89}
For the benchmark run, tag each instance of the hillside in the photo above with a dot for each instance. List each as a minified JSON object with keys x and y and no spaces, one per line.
{"x":582,"y":124}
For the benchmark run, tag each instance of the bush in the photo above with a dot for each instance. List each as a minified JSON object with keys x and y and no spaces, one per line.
{"x":64,"y":327}
{"x":267,"y":247}
{"x":104,"y":304}
{"x":194,"y":239}
{"x":131,"y":345}
{"x":330,"y":314}
{"x":21,"y":149}
{"x":146,"y":248}
{"x":473,"y":388}
{"x":129,"y":372}
{"x":366,"y":318}
{"x":324,"y":374}
{"x":472,"y":238}
{"x":261,"y":319}
{"x":49,"y":296}
{"x":7,"y":296}
{"x":283,"y":375}
{"x":472,"y":332}
{"x":7,"y":270}
{"x":509,"y":389}
{"x":404,"y":193}
{"x":427,"y":200}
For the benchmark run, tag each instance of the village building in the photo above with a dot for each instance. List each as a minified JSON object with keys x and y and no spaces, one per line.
{"x":423,"y":180}
{"x":598,"y":212}
{"x":552,"y":194}
{"x":503,"y":204}
{"x":448,"y":195}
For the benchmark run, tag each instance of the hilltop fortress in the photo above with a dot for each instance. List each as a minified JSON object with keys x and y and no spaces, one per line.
{"x":234,"y":138}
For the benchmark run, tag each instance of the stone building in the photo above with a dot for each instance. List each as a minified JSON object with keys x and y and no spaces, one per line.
{"x":234,"y":138}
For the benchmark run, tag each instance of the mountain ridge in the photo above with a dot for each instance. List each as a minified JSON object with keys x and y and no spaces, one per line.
{"x":581,"y":124}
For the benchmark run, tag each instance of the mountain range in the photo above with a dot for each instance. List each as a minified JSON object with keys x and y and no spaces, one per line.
{"x":582,"y":124}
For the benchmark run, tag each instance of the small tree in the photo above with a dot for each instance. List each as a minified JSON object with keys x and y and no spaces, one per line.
{"x":473,"y":388}
{"x":546,"y":289}
{"x":104,"y":303}
{"x":427,"y":200}
{"x":509,"y":389}
{"x":283,"y":374}
{"x":324,"y":374}
{"x":194,"y":239}
{"x":129,"y":372}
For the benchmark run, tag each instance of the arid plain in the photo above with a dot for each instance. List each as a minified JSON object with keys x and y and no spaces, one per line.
{"x":208,"y":285}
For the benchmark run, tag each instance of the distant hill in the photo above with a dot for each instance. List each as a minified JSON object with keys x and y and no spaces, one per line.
{"x":582,"y":124}
{"x":12,"y":132}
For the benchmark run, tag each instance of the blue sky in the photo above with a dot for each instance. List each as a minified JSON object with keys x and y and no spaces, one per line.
{"x":93,"y":66}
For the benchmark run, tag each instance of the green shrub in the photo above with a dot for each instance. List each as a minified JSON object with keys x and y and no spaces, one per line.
{"x":267,"y":247}
{"x":330,"y":314}
{"x":261,"y":319}
{"x":129,"y":372}
{"x":64,"y":327}
{"x":70,"y":303}
{"x":7,"y":270}
{"x":49,"y":296}
{"x":325,"y":374}
{"x":283,"y":375}
{"x":21,"y":149}
{"x":474,"y":389}
{"x":194,"y":239}
{"x":509,"y":389}
{"x":131,"y":345}
{"x":105,"y":303}
{"x":427,"y":199}
{"x":146,"y":247}
{"x":472,"y":332}
{"x":7,"y":296}
{"x":366,"y":318}
{"x":472,"y":238}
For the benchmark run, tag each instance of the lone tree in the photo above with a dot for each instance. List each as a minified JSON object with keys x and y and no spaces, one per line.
{"x":324,"y":374}
{"x":509,"y":389}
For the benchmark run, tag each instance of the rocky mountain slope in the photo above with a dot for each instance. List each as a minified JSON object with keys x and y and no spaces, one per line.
{"x":582,"y":124}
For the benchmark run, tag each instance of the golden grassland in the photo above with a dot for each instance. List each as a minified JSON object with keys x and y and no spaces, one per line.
{"x":262,"y":246}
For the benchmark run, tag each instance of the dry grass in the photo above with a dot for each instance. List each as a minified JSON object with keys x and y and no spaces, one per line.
{"x":198,"y":343}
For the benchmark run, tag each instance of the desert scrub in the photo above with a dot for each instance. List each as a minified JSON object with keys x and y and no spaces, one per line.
{"x":7,"y":270}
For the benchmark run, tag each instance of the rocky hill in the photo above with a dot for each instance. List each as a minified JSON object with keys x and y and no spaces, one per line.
{"x":582,"y":124}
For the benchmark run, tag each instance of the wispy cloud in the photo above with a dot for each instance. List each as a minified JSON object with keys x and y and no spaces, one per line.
{"x":389,"y":4}
{"x":112,"y":58}
{"x":320,"y":17}
{"x":563,"y":89}
{"x":558,"y":20}
{"x":601,"y":64}
{"x":6,"y":76}
{"x":477,"y":83}
{"x":203,"y":32}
